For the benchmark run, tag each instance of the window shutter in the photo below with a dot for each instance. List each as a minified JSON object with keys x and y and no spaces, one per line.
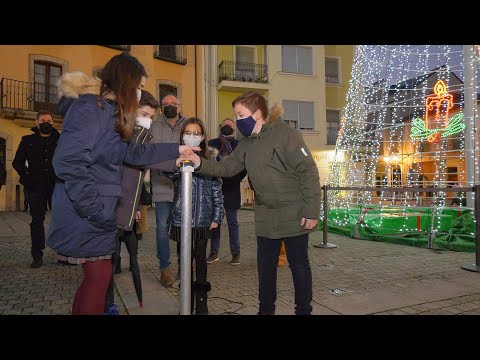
{"x":331,"y":70}
{"x":307,"y":119}
{"x":333,"y":116}
{"x":289,"y":58}
{"x":304,"y":60}
{"x":291,"y":110}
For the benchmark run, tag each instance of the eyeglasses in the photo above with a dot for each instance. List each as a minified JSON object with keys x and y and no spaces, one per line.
{"x":172,"y":103}
{"x":195,"y":134}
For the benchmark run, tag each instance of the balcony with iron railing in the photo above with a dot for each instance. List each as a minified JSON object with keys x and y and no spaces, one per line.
{"x":20,"y":96}
{"x":238,"y":76}
{"x":332,"y":136}
{"x":119,"y":47}
{"x":172,"y":53}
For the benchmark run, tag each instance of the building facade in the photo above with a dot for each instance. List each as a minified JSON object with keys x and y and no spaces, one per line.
{"x":28,"y":76}
{"x":309,"y":81}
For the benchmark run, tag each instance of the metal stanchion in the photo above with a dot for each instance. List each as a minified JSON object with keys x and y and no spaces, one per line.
{"x":476,"y":267}
{"x":325,"y":244}
{"x":186,"y":239}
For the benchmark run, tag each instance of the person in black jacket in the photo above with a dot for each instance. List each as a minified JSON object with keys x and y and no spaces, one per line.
{"x":38,"y":177}
{"x":221,"y":147}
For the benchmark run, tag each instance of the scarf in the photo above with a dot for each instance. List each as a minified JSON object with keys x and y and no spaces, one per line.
{"x":225,"y":146}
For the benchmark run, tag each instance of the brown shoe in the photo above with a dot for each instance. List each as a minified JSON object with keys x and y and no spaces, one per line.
{"x":166,"y":277}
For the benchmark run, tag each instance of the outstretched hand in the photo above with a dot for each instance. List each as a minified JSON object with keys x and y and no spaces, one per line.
{"x":185,"y":150}
{"x":195,"y":159}
{"x":180,"y":159}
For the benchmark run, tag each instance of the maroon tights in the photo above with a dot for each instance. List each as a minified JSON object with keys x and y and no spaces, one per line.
{"x":90,"y":296}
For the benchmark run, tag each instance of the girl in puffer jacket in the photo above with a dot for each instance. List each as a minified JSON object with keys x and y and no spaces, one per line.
{"x":207,"y":208}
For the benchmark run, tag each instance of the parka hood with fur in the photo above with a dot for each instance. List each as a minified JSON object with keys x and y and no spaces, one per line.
{"x":73,"y":84}
{"x":275,"y":113}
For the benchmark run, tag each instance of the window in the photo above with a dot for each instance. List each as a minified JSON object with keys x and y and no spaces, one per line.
{"x":164,"y":90}
{"x":245,"y":63}
{"x":172,"y":53}
{"x":333,"y":126}
{"x":46,"y":76}
{"x":299,"y":114}
{"x":332,"y":71}
{"x":297,"y":59}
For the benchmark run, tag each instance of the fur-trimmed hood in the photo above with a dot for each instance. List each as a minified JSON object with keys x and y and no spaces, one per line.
{"x":76,"y":83}
{"x":275,"y":113}
{"x":73,"y":84}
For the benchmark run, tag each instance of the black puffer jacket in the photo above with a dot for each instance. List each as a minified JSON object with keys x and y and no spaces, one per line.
{"x":207,"y":201}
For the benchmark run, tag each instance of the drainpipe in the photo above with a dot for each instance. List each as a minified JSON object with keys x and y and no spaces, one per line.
{"x":196,"y":95}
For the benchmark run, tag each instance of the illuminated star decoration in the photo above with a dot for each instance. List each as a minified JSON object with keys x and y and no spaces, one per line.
{"x":433,"y":130}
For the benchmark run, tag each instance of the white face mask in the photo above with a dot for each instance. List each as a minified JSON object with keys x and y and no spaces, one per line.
{"x":139,"y":95}
{"x":144,"y":121}
{"x":192,"y":140}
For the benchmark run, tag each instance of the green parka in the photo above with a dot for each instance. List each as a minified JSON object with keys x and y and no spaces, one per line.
{"x":283,"y":173}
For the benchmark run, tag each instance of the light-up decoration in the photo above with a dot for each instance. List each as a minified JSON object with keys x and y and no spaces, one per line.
{"x":441,"y":126}
{"x":387,"y":85}
{"x":341,"y":128}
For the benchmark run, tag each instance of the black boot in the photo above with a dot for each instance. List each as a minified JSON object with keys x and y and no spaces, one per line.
{"x":201,"y":297}
{"x":118,"y":269}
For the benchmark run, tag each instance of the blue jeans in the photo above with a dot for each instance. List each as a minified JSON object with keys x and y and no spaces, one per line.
{"x":232,"y":232}
{"x":162,"y":212}
{"x":268,"y":251}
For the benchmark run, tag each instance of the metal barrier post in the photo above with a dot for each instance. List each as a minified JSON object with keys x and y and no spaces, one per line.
{"x":476,"y":267}
{"x":325,"y":244}
{"x":186,"y":240}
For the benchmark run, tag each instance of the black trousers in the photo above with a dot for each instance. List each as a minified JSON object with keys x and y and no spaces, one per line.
{"x":199,"y":253}
{"x":268,"y":251}
{"x":38,"y":202}
{"x":200,"y":286}
{"x":131,"y":242}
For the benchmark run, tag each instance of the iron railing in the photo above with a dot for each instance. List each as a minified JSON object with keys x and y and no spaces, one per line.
{"x":243,"y":71}
{"x":119,"y":47}
{"x":27,"y":96}
{"x":332,"y":136}
{"x":172,"y":53}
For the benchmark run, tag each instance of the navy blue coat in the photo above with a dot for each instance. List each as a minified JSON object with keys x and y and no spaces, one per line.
{"x":88,"y":162}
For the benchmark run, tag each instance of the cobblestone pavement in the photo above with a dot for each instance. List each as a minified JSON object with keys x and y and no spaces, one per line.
{"x":358,"y":277}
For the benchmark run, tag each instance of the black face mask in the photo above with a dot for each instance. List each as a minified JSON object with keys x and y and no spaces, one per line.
{"x":45,"y":128}
{"x":170,"y":111}
{"x":226,"y":130}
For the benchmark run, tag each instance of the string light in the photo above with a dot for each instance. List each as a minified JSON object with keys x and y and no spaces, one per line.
{"x":403,"y":125}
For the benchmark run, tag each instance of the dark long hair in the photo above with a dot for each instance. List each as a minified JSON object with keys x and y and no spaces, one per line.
{"x":121,"y":76}
{"x":203,"y":145}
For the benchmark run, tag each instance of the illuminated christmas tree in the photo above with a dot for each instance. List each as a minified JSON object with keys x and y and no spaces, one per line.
{"x":409,"y":121}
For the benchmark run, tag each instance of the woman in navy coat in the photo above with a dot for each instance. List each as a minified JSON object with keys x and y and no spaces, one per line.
{"x":88,"y":162}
